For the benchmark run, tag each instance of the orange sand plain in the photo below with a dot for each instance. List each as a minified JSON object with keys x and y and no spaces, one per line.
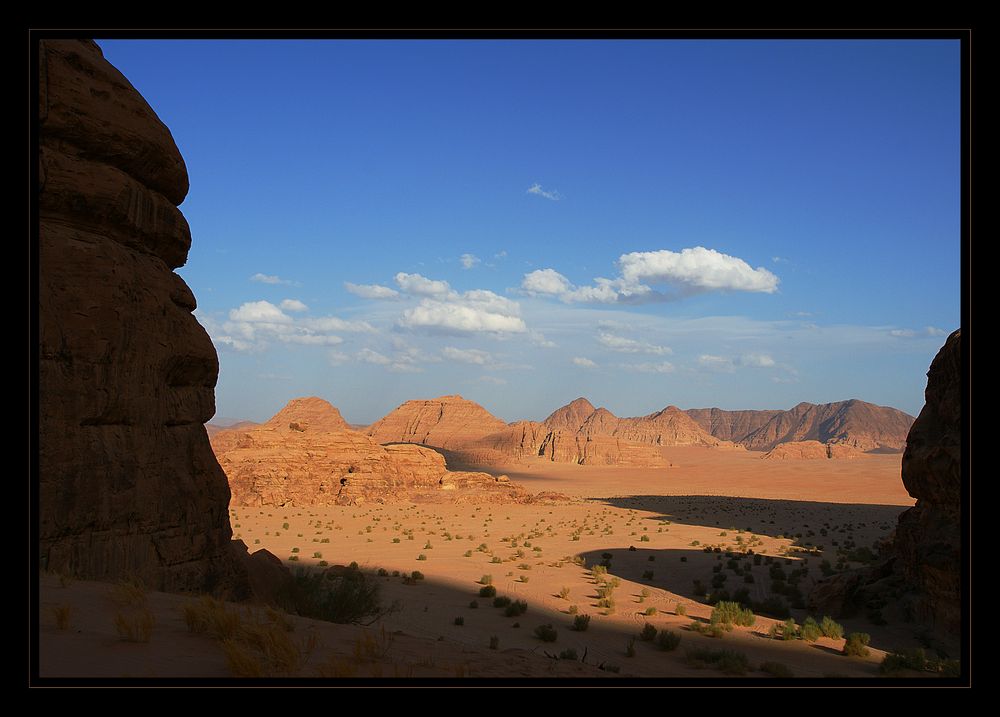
{"x":725,"y":498}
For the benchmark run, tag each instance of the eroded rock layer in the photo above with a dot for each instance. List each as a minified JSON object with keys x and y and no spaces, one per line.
{"x":128,"y":483}
{"x":303,"y":457}
{"x":853,"y":423}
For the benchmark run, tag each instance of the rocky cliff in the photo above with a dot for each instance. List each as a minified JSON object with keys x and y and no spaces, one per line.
{"x":303,"y":456}
{"x":919,"y":576}
{"x":854,"y":423}
{"x":730,"y":425}
{"x":127,"y":479}
{"x":571,"y":416}
{"x":445,"y":422}
{"x":809,"y":450}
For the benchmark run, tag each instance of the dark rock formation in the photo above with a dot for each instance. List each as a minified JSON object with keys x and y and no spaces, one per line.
{"x":127,"y":479}
{"x":918,"y":579}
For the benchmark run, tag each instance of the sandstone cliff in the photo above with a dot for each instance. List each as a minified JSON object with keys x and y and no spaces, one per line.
{"x":919,"y":577}
{"x":571,"y":416}
{"x":445,"y":422}
{"x":730,"y":425}
{"x":811,"y":450}
{"x":127,"y":479}
{"x":306,"y":455}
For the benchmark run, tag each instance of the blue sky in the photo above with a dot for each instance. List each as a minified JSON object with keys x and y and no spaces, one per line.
{"x":741,"y":224}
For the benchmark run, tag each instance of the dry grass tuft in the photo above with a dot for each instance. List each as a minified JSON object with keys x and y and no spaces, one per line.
{"x":129,"y":592}
{"x":62,"y":613}
{"x":135,"y":624}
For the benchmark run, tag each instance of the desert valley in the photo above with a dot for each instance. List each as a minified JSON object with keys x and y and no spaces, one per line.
{"x":440,"y":542}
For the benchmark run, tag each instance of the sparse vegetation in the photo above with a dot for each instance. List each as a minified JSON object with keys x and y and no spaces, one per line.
{"x":648,"y":633}
{"x":546,"y":633}
{"x":344,"y":597}
{"x":777,"y":669}
{"x":728,"y":662}
{"x":857,"y":644}
{"x":487,"y":591}
{"x":62,"y":614}
{"x":732,"y":613}
{"x":581,"y":623}
{"x":459,"y":621}
{"x":517,"y":607}
{"x":668,"y":640}
{"x":831,"y":629}
{"x":494,"y":642}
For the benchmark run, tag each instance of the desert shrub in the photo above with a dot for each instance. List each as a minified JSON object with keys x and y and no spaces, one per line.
{"x":857,"y":644}
{"x":774,"y":606}
{"x":460,"y":621}
{"x":684,"y":559}
{"x":708,"y":629}
{"x":681,"y":609}
{"x":546,"y":633}
{"x":501,"y":601}
{"x":830,"y":628}
{"x":776,"y":669}
{"x":598,"y":570}
{"x":789,"y":630}
{"x":496,"y":559}
{"x":135,"y":624}
{"x":915,"y":659}
{"x":517,"y":607}
{"x":568,"y":654}
{"x":348,"y":597}
{"x":564,"y":593}
{"x":728,"y":662}
{"x":810,"y":630}
{"x":630,"y":648}
{"x":467,"y":554}
{"x":607,"y":667}
{"x":581,"y":623}
{"x":650,"y":611}
{"x":395,"y":540}
{"x":648,"y":633}
{"x":647,"y":575}
{"x":668,"y":640}
{"x":644,"y":539}
{"x":417,"y":575}
{"x":494,"y":642}
{"x":474,"y":604}
{"x":572,"y":609}
{"x":61,"y":614}
{"x":487,"y":591}
{"x":732,"y":613}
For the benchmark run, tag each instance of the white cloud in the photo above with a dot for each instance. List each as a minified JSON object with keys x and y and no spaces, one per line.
{"x":911,"y":333}
{"x":293,"y":305}
{"x":421,"y":286}
{"x":537,"y":190}
{"x":689,"y":272}
{"x":371,"y":291}
{"x":538,"y":339}
{"x":662,"y":367}
{"x":631,"y":346}
{"x":756,"y":360}
{"x":496,"y":380}
{"x":268,"y":279}
{"x":369,"y":356}
{"x":696,"y":268}
{"x":336,"y":358}
{"x":473,"y":356}
{"x":459,"y":317}
{"x":584,"y":362}
{"x":500,"y":254}
{"x":903,"y":333}
{"x":716,"y":363}
{"x":254,"y":325}
{"x":469,"y":260}
{"x":934,"y":331}
{"x":545,"y":281}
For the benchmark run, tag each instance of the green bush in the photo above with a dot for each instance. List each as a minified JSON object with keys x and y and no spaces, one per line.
{"x":857,"y":644}
{"x":630,"y":648}
{"x":518,"y":607}
{"x":914,"y":659}
{"x":789,"y":631}
{"x":581,"y":623}
{"x":349,"y":597}
{"x":681,"y":609}
{"x":726,"y":661}
{"x":668,"y":640}
{"x":830,"y":628}
{"x":732,"y":613}
{"x":568,"y":654}
{"x":487,"y":591}
{"x":474,"y":604}
{"x":417,"y":575}
{"x":421,"y":557}
{"x":650,"y":611}
{"x":648,"y":633}
{"x":546,"y":633}
{"x":494,"y":642}
{"x":647,"y":575}
{"x":810,"y":630}
{"x":572,"y":609}
{"x":460,"y":621}
{"x":501,"y":601}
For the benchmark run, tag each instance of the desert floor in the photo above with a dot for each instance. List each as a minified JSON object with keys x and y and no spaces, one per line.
{"x":534,"y":552}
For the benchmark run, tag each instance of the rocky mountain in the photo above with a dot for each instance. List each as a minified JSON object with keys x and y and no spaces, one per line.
{"x":126,"y":477}
{"x":571,"y":416}
{"x":307,"y":455}
{"x":854,"y":423}
{"x":730,"y":425}
{"x":213,"y":428}
{"x":445,"y":422}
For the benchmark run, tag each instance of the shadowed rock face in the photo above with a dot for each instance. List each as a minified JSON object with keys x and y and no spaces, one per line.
{"x":928,"y":544}
{"x":920,"y":578}
{"x":128,"y":482}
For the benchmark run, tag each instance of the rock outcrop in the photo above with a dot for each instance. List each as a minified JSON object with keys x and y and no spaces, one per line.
{"x":571,"y":416}
{"x":445,"y":422}
{"x":928,"y":543}
{"x":304,"y":456}
{"x":730,"y":425}
{"x":919,"y":575}
{"x":127,"y":480}
{"x":854,"y":423}
{"x":811,"y":450}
